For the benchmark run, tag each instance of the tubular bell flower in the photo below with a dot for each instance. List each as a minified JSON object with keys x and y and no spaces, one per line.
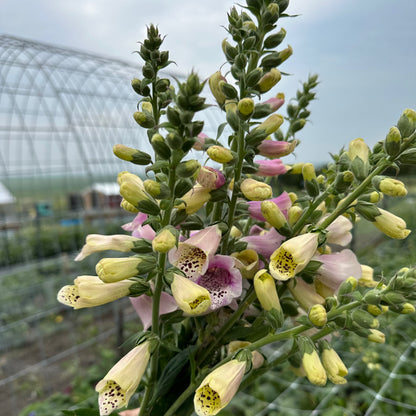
{"x":192,"y":298}
{"x":264,"y":243}
{"x":305,"y":294}
{"x":247,"y":261}
{"x":335,"y":368}
{"x":218,"y":388}
{"x":282,"y":201}
{"x":193,"y":255}
{"x":138,"y":229}
{"x":194,"y":199}
{"x":143,"y":306}
{"x":391,"y":225}
{"x":89,"y":291}
{"x":311,"y":363}
{"x":293,"y":256}
{"x":112,"y":270}
{"x":271,"y":167}
{"x":339,"y":231}
{"x":96,"y":242}
{"x":336,"y":268}
{"x":117,"y":387}
{"x":222,"y":280}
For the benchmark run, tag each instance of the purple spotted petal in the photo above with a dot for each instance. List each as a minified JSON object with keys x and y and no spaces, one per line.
{"x":282,"y":201}
{"x":222,"y":280}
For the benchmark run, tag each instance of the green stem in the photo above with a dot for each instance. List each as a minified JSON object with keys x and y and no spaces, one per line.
{"x":302,"y":220}
{"x":237,"y":177}
{"x":354,"y":195}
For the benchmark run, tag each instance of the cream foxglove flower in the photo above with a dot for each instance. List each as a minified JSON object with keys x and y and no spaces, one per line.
{"x":335,"y":368}
{"x":391,"y":225}
{"x":96,"y":242}
{"x":117,"y":387}
{"x":112,"y":270}
{"x":192,"y":298}
{"x":293,"y":256}
{"x":91,"y":291}
{"x":218,"y":388}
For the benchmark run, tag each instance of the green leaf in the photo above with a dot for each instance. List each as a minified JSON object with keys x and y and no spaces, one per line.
{"x":221,"y":128}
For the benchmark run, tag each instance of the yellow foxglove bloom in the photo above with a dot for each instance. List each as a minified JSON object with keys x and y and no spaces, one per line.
{"x":115,"y":269}
{"x":218,"y":388}
{"x":391,"y":225}
{"x":335,"y":368}
{"x":247,"y":261}
{"x":271,"y":124}
{"x":214,"y":81}
{"x":269,"y":80}
{"x":89,"y":291}
{"x":255,"y":190}
{"x":293,"y":256}
{"x":273,"y":215}
{"x":128,"y":207}
{"x":266,"y":292}
{"x":245,"y":106}
{"x":313,"y":368}
{"x":117,"y":387}
{"x":96,"y":242}
{"x":192,"y":298}
{"x":305,"y":294}
{"x":194,"y":199}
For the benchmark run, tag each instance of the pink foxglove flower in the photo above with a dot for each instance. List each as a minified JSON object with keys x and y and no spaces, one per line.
{"x":282,"y":201}
{"x":336,"y":268}
{"x":137,"y":228}
{"x":192,"y":256}
{"x":210,"y":178}
{"x":270,"y":168}
{"x":264,"y":243}
{"x":222,"y":280}
{"x":143,"y":306}
{"x":339,"y":231}
{"x":274,"y":149}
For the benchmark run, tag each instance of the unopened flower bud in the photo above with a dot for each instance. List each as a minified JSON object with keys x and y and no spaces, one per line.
{"x":391,"y":225}
{"x":158,"y":190}
{"x":220,"y":154}
{"x":229,"y":51}
{"x":194,"y":199}
{"x":246,"y":106}
{"x":294,"y":213}
{"x":273,"y":215}
{"x":269,"y":80}
{"x":407,"y":122}
{"x":255,"y":190}
{"x":275,"y":149}
{"x":131,"y":155}
{"x":275,"y":40}
{"x":365,"y":319}
{"x":144,"y":119}
{"x":265,"y":287}
{"x":309,"y":177}
{"x":312,"y":365}
{"x":376,"y":336}
{"x":406,"y":308}
{"x":358,"y":153}
{"x":390,"y":186}
{"x":393,"y":141}
{"x":271,"y":124}
{"x":188,"y":168}
{"x":164,"y":241}
{"x":214,"y":85}
{"x":317,"y":315}
{"x":160,"y":147}
{"x":334,"y":367}
{"x":128,"y":207}
{"x":210,"y":178}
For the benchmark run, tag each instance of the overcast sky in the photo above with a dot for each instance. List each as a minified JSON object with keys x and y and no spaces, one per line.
{"x":363,"y":50}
